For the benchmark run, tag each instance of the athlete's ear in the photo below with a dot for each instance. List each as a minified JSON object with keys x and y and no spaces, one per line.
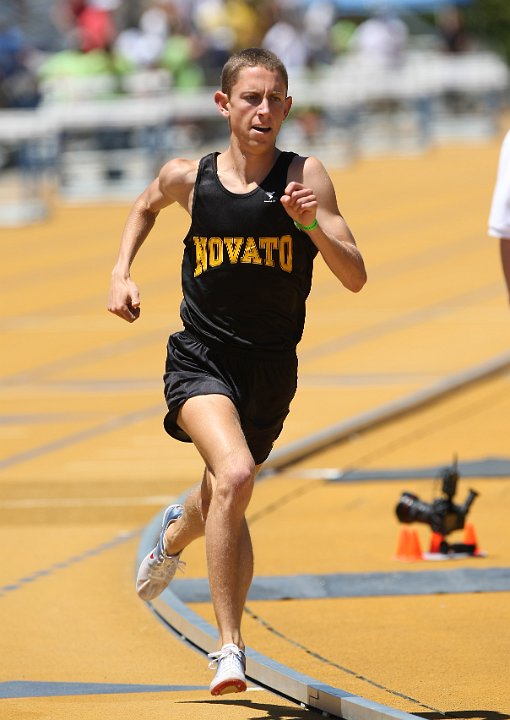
{"x":288,"y":105}
{"x":221,"y":100}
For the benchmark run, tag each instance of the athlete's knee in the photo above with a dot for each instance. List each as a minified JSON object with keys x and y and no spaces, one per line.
{"x":235,"y":485}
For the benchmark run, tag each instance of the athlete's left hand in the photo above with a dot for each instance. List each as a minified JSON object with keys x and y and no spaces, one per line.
{"x":300,"y":203}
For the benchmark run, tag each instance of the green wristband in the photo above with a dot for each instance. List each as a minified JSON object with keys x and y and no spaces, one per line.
{"x":306,"y":227}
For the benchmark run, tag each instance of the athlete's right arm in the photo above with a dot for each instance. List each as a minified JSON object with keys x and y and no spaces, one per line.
{"x":173,"y":184}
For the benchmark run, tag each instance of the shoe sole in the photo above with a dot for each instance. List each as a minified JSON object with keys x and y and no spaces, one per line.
{"x":229,"y":686}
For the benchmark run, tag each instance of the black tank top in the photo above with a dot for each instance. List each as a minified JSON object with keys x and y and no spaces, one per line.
{"x":246,"y":270}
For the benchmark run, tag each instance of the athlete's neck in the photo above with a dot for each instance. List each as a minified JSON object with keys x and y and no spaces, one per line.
{"x":242,"y":172}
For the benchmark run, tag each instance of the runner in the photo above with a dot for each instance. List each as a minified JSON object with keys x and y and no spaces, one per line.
{"x":259,"y":217}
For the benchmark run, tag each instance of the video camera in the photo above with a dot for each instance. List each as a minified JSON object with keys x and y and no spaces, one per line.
{"x":441,"y":514}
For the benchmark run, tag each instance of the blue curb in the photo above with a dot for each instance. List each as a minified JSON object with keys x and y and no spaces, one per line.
{"x":349,"y":585}
{"x":27,"y":689}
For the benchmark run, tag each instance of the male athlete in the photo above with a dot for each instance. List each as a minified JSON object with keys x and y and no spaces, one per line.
{"x":259,"y":217}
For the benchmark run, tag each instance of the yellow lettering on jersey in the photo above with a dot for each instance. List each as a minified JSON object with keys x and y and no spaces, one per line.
{"x":286,"y":253}
{"x":251,"y":253}
{"x":200,"y":255}
{"x":233,"y":246}
{"x":215,"y":251}
{"x":268,"y":245}
{"x":268,"y":251}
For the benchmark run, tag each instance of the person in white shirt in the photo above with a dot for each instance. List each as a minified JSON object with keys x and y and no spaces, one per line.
{"x":499,"y":217}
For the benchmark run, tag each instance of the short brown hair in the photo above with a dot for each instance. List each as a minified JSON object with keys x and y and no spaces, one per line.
{"x":251,"y":57}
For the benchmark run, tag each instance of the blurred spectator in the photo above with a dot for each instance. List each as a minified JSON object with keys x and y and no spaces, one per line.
{"x":73,"y":74}
{"x":450,"y":26}
{"x":181,"y":58}
{"x":86,"y":24}
{"x":18,"y":87}
{"x":381,"y":40}
{"x":182,"y":50}
{"x":318,"y":21}
{"x":96,"y":25}
{"x":143,"y":44}
{"x":245,"y":18}
{"x":210,"y":19}
{"x":12,"y":48}
{"x":341,"y":34}
{"x":286,"y":36}
{"x":217,"y":38}
{"x":214,"y":54}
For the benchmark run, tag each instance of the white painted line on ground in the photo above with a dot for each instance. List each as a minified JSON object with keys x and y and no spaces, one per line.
{"x":35,"y":503}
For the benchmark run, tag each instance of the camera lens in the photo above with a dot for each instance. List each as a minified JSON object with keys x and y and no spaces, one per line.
{"x":411,"y":509}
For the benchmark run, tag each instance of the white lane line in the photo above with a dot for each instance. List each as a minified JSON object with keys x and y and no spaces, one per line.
{"x":32,"y":503}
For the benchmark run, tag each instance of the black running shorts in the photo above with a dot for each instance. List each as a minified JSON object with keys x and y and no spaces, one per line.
{"x":261,"y":386}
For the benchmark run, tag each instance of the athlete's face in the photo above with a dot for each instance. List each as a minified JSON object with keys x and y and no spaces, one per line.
{"x":257,"y":106}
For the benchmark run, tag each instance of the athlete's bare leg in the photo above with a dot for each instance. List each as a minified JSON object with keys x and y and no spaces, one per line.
{"x":229,"y":563}
{"x":190,"y":526}
{"x":213,"y":424}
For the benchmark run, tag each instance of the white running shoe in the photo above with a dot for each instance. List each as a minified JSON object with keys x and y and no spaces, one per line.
{"x":157,"y":568}
{"x":230,"y":664}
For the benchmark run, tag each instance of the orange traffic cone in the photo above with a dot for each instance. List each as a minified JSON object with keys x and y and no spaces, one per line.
{"x":416,"y":552}
{"x":435,"y":542}
{"x":403,"y":544}
{"x":470,"y":535}
{"x":408,"y":548}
